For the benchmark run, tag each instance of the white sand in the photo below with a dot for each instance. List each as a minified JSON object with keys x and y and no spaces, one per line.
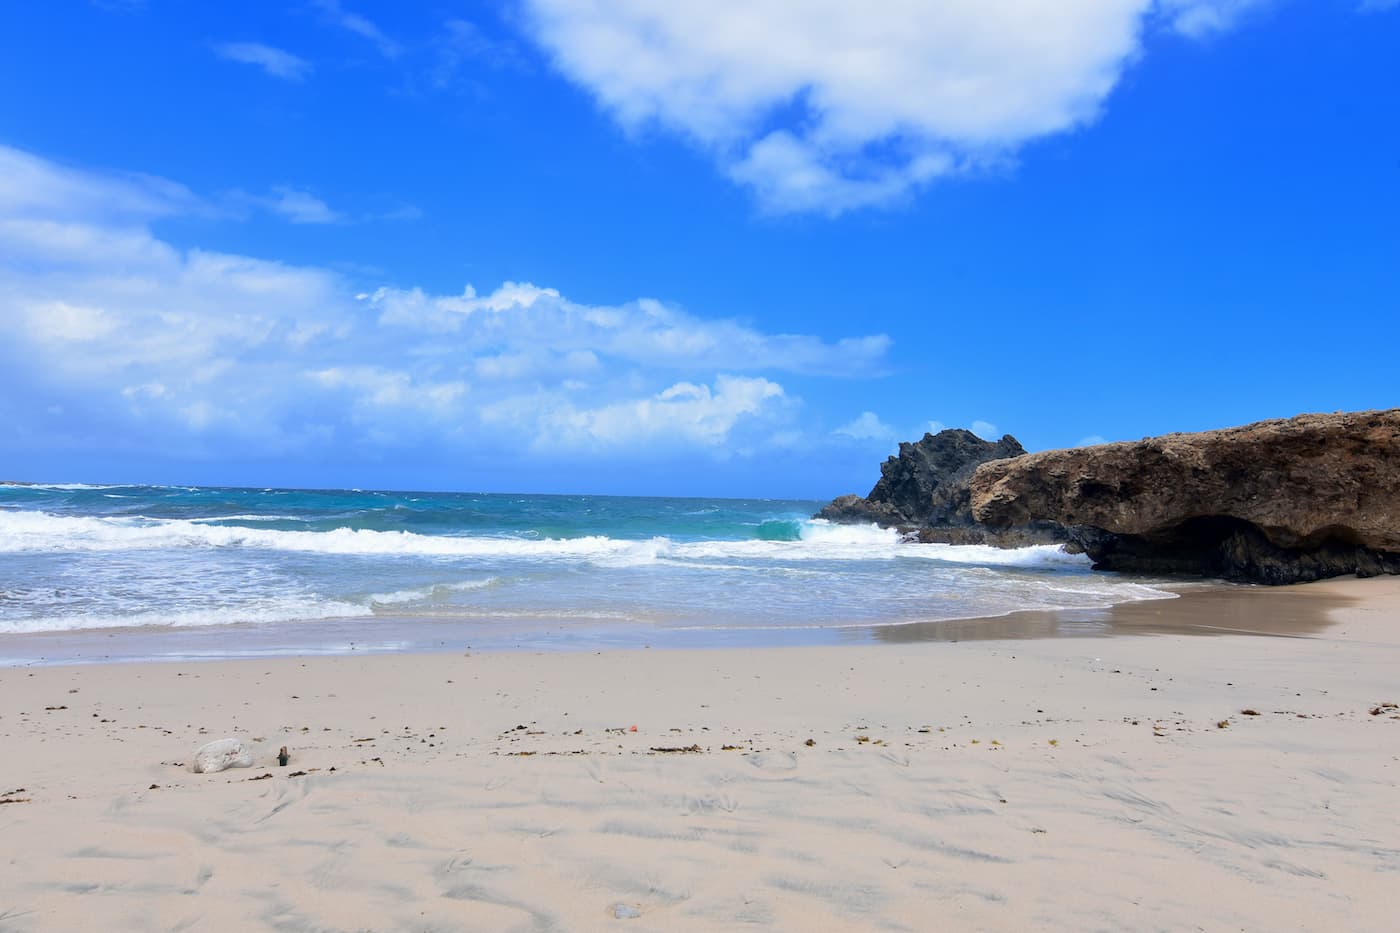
{"x":1078,"y":784}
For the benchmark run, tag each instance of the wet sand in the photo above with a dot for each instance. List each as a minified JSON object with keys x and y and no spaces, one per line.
{"x":1161,"y":780}
{"x":1203,"y":609}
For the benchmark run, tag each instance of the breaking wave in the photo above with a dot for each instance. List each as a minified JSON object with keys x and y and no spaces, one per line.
{"x":813,"y":540}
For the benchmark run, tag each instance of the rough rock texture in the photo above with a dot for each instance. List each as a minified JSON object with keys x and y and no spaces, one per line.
{"x":1274,"y":502}
{"x":925,"y":490}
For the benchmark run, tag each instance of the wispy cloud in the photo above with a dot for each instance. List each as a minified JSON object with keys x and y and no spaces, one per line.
{"x":274,"y":61}
{"x":39,"y":188}
{"x":866,"y":426}
{"x":399,"y":212}
{"x":462,"y":53}
{"x":143,"y":344}
{"x":336,"y":13}
{"x":985,"y":430}
{"x":300,"y":207}
{"x":463,"y":42}
{"x":836,"y":106}
{"x":1199,"y":19}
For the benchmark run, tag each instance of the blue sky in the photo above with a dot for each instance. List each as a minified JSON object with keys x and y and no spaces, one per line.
{"x":734,"y":248}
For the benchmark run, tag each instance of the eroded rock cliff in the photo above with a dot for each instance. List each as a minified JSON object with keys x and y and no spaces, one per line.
{"x":1274,"y":502}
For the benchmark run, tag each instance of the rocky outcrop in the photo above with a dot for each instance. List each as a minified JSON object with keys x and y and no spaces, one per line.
{"x":924,"y":490}
{"x":1274,"y":502}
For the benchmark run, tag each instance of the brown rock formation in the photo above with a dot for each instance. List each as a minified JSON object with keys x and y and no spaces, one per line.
{"x":1274,"y":502}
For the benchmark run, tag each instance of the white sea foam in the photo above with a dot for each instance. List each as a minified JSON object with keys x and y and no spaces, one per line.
{"x":24,"y":531}
{"x":825,"y":532}
{"x":1032,"y":557}
{"x":547,"y":614}
{"x":422,"y":594}
{"x":250,"y":518}
{"x":264,"y":612}
{"x":40,"y":531}
{"x":65,"y":487}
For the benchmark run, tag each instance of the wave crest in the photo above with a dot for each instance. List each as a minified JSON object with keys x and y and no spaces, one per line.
{"x":23,"y":531}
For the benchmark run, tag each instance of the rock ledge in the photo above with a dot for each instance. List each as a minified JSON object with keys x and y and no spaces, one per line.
{"x":1281,"y":501}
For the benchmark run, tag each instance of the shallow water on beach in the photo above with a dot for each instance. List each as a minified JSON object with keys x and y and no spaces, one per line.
{"x":223,"y":572}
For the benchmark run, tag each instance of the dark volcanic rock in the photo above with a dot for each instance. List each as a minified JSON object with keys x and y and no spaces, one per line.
{"x":926,"y":484}
{"x":925,"y":489}
{"x":1275,"y":502}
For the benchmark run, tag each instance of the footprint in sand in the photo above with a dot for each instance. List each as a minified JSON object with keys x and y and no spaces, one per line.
{"x":709,"y":804}
{"x":896,"y":758}
{"x":457,"y":863}
{"x":773,"y":761}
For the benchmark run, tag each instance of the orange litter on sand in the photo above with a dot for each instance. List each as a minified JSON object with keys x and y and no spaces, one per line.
{"x":632,"y":729}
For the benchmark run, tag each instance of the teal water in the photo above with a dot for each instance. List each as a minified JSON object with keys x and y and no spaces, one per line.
{"x":235,"y":570}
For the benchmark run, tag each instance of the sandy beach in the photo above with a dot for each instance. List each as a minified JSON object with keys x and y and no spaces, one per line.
{"x":1189,"y":777}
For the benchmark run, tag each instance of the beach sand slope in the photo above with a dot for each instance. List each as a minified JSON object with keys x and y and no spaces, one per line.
{"x":1139,"y":782}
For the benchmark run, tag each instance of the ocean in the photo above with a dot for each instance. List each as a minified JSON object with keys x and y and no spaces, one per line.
{"x":139,"y":572}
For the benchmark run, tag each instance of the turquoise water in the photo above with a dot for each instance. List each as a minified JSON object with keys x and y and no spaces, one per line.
{"x":230,"y":569}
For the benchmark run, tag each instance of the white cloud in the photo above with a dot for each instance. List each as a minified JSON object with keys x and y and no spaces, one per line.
{"x":545,"y":325}
{"x":866,"y":426}
{"x":463,"y":44}
{"x":300,"y":207}
{"x":985,"y":430}
{"x":1198,"y":19}
{"x":149,"y":390}
{"x":94,"y":210}
{"x":56,"y":241}
{"x":291,"y":204}
{"x":789,"y":174}
{"x":274,"y":61}
{"x":933,"y":427}
{"x":35,"y":188}
{"x":56,"y":321}
{"x":684,"y":413}
{"x":827,"y":105}
{"x":202,"y":414}
{"x":376,"y":388}
{"x":146,"y":345}
{"x":360,"y":26}
{"x":1093,"y":440}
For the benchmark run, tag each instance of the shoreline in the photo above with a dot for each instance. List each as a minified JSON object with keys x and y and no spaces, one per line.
{"x":1299,"y":610}
{"x":1049,"y":783}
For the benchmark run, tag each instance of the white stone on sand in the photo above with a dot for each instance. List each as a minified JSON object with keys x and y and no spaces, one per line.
{"x":221,"y":754}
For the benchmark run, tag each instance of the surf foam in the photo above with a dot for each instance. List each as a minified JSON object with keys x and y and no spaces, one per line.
{"x":22,"y":531}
